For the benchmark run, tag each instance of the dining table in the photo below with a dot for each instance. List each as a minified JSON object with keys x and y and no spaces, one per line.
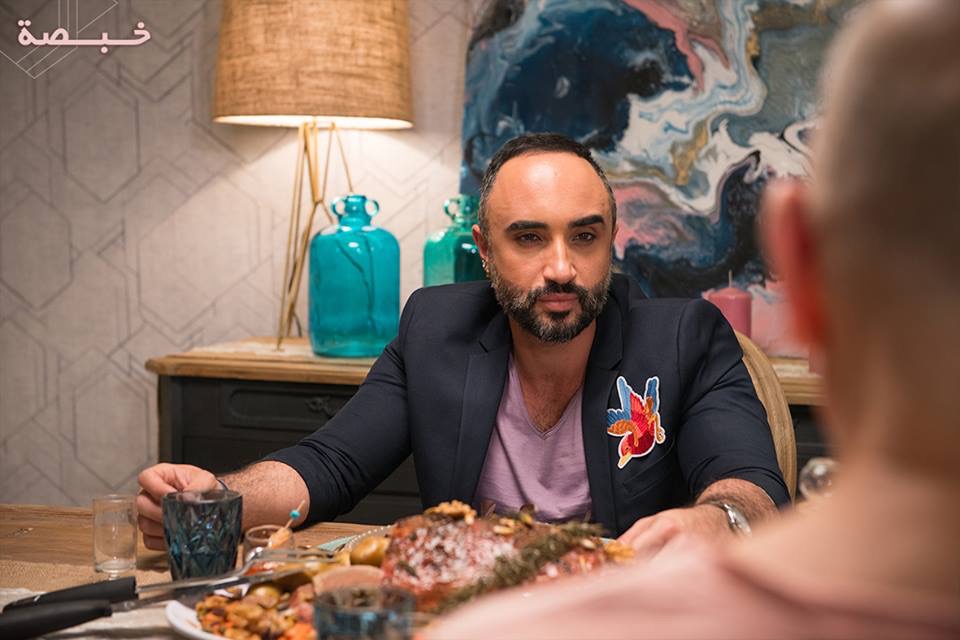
{"x":43,"y":548}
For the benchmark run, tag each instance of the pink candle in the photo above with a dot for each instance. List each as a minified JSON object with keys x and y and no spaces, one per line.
{"x":735,"y":305}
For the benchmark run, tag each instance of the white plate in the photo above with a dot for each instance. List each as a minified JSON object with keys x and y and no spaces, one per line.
{"x":184,"y":620}
{"x":355,"y":540}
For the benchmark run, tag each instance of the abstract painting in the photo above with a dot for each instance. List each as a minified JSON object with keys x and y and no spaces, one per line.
{"x":690,"y":106}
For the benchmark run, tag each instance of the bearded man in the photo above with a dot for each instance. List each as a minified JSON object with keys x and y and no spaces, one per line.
{"x":556,"y":384}
{"x":879,"y":558}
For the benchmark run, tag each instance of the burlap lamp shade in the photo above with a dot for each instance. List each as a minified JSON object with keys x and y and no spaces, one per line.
{"x":287,"y":62}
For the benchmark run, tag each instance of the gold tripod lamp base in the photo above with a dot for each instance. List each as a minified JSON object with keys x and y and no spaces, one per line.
{"x":299,"y":234}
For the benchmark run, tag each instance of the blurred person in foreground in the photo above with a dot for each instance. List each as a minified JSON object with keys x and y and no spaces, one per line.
{"x":868,"y":255}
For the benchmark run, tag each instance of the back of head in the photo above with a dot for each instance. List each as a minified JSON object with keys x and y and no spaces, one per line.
{"x":888,"y":153}
{"x":887,"y":204}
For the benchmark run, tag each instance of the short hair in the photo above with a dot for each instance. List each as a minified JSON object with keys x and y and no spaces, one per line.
{"x":527,"y":143}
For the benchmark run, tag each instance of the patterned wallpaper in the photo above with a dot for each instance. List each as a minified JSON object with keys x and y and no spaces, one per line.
{"x":131,"y":226}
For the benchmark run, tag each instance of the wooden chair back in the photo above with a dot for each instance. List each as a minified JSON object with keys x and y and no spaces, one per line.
{"x":778,"y":411}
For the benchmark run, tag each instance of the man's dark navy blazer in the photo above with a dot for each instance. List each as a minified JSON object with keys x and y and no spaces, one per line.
{"x":436,"y":389}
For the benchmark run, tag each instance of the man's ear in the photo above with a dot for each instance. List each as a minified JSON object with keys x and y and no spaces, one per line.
{"x":793,"y":256}
{"x":481,"y":242}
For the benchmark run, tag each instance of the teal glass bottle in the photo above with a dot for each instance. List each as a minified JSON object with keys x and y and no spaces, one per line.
{"x":450,"y":255}
{"x":354,"y":286}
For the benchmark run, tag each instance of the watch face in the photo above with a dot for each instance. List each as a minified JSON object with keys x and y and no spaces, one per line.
{"x":738,"y":521}
{"x":735,"y":519}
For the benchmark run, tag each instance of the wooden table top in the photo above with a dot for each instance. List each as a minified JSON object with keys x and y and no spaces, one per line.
{"x":44,"y":547}
{"x":258,"y":359}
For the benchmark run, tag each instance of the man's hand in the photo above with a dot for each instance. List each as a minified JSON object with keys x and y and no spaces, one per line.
{"x":156,"y":482}
{"x":649,"y":535}
{"x":270,"y":490}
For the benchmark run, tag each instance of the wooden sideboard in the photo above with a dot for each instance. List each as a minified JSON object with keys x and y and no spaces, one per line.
{"x":229,"y":404}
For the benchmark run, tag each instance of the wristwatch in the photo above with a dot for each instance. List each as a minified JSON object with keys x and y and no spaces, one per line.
{"x":737,"y":522}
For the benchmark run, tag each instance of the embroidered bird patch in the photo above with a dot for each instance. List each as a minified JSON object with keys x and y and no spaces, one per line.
{"x":637,"y":421}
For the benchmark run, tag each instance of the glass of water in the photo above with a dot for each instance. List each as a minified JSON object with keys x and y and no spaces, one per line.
{"x":817,"y":478}
{"x":114,"y":534}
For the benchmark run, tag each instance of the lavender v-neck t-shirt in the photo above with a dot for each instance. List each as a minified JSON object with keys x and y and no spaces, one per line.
{"x":527,"y":466}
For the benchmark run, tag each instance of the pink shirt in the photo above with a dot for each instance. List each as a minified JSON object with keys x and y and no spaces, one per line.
{"x":526,"y":466}
{"x":691,"y":590}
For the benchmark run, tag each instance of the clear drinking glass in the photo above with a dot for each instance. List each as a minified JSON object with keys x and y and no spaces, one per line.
{"x":817,"y":478}
{"x":114,"y":534}
{"x":259,"y":538}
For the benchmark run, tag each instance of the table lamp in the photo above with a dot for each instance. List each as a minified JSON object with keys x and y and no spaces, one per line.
{"x":320,"y":64}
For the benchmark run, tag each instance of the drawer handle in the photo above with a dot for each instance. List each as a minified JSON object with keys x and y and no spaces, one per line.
{"x":321,"y":405}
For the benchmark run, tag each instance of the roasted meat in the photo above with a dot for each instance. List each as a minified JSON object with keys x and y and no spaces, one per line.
{"x":447,"y":556}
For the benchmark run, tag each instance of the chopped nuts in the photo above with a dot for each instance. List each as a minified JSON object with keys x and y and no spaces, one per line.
{"x":454,"y":509}
{"x":506,"y":527}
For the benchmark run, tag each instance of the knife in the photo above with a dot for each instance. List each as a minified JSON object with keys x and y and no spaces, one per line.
{"x":65,"y":608}
{"x":126,"y":588}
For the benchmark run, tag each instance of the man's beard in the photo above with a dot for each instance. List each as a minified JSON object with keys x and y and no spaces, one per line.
{"x":557,"y":326}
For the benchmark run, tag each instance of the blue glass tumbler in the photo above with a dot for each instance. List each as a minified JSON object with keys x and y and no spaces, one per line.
{"x":202,"y":530}
{"x":363,"y":613}
{"x":354,"y":287}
